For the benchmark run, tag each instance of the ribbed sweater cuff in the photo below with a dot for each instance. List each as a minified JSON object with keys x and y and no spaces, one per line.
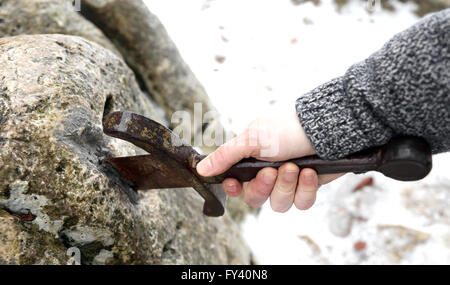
{"x":337,"y":124}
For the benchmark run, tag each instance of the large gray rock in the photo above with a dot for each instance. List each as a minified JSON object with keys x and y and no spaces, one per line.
{"x":147,"y":48}
{"x":139,"y":36}
{"x":56,"y":198}
{"x":19,"y":17}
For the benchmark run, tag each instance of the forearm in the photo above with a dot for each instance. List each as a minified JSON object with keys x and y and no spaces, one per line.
{"x":403,"y":89}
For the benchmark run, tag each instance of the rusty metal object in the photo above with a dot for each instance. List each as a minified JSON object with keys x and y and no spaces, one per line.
{"x":169,"y":164}
{"x":172,"y":164}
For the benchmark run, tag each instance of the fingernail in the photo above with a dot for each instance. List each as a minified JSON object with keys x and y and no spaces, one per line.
{"x":269,"y":178}
{"x":290,"y":173}
{"x":230,"y":191}
{"x":204,"y":167}
{"x":230,"y":187}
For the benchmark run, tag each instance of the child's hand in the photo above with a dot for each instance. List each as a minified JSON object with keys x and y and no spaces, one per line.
{"x":271,"y":139}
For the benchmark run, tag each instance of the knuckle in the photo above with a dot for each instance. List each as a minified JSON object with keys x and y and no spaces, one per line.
{"x":289,"y":166}
{"x":287,"y":188}
{"x":262,"y":191}
{"x":242,"y":145}
{"x":251,"y":201}
{"x":259,"y":191}
{"x":248,"y":197}
{"x":289,"y":175}
{"x":288,"y":180}
{"x":308,"y":189}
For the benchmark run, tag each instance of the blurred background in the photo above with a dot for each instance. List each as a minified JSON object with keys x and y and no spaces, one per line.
{"x":258,"y":56}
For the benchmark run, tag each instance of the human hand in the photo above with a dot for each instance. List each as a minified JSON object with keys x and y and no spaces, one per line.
{"x":271,"y":139}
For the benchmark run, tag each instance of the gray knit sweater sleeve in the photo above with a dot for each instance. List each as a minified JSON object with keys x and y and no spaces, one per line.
{"x":403,"y":89}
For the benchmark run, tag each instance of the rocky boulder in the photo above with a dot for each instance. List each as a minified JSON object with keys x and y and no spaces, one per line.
{"x":58,"y":203}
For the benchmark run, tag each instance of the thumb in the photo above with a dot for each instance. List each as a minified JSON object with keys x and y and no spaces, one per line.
{"x":225,"y":156}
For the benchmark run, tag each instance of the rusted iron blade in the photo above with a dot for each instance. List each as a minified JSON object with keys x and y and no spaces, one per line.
{"x":145,"y":172}
{"x":168,"y":155}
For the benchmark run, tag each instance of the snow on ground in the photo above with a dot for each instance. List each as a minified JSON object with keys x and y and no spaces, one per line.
{"x":257,"y":56}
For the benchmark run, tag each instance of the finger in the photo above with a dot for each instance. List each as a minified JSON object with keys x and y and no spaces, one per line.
{"x":283,"y":193}
{"x":226,"y":156}
{"x":308,"y":185}
{"x":232,"y":187}
{"x":327,"y":178}
{"x":259,"y":188}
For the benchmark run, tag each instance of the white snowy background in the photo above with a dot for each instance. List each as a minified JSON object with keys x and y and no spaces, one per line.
{"x":256,"y":56}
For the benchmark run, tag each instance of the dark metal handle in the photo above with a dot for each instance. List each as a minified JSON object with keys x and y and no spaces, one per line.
{"x":403,"y":158}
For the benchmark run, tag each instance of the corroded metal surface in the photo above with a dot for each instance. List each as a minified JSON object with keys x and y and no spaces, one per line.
{"x":169,"y":163}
